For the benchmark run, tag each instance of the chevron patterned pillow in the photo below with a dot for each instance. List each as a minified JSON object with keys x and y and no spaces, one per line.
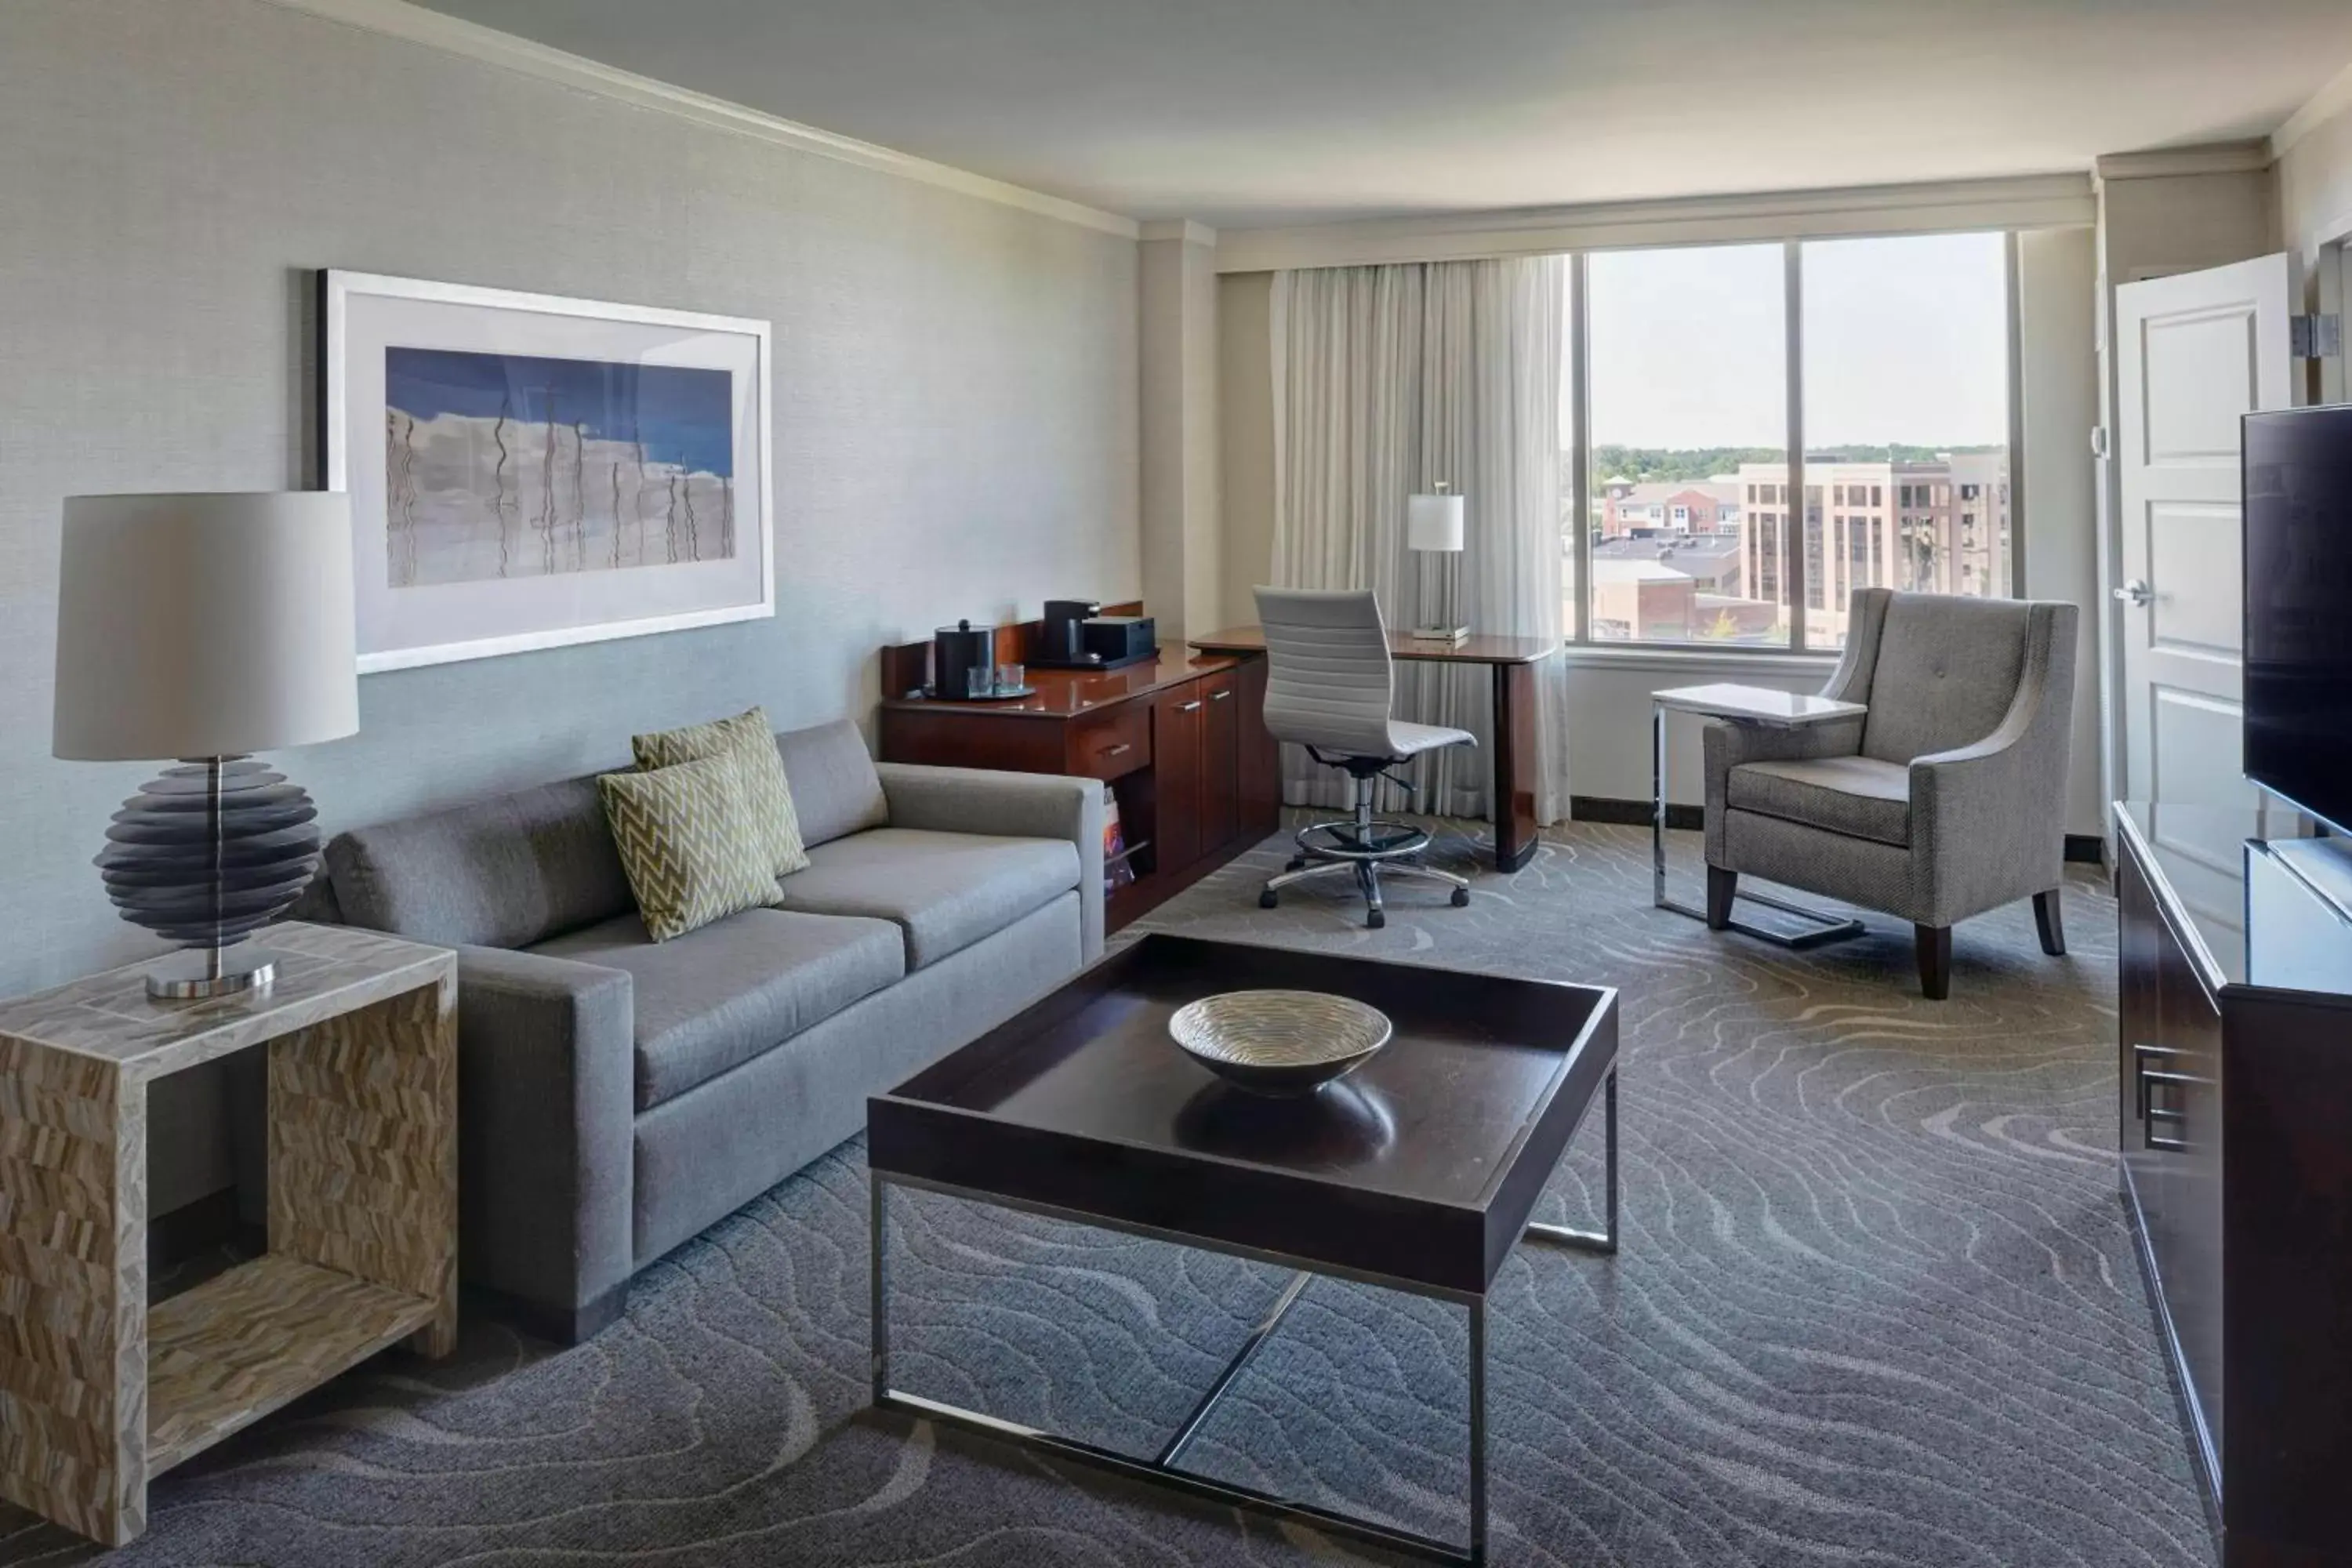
{"x":767,"y":793}
{"x":688,"y":843}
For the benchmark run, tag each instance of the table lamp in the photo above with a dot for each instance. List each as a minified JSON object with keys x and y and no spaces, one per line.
{"x":205,"y":628}
{"x":1432,"y":525}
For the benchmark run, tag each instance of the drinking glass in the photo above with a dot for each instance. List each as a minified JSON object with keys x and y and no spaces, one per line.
{"x":1008,"y":678}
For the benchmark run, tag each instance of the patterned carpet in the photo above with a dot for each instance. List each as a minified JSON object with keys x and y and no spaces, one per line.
{"x":1876,"y":1305}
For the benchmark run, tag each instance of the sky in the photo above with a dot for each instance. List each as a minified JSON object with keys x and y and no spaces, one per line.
{"x":684,"y":414}
{"x":1905,"y":341}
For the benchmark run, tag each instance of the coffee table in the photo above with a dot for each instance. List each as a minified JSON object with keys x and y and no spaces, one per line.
{"x":1418,"y":1172}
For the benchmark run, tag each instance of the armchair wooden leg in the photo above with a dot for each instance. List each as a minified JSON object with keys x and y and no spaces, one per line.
{"x":2049,"y":923}
{"x":1722,"y":887}
{"x":1935,"y":961}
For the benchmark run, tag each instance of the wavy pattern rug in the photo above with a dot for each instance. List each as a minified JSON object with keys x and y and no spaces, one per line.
{"x":1876,"y":1305}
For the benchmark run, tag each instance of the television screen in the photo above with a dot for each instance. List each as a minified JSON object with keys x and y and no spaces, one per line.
{"x":2298,"y":644}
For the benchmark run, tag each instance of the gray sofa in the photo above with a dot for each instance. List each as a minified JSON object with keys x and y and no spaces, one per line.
{"x":617,"y":1096}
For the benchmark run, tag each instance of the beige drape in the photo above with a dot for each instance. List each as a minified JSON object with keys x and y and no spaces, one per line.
{"x":1386,"y":380}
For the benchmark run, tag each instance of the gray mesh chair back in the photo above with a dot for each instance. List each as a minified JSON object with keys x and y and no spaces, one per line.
{"x":1329,"y":679}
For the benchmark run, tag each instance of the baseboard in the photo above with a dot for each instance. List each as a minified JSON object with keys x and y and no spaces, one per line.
{"x":1633,"y":812}
{"x":2086,"y":849}
{"x":194,"y":1229}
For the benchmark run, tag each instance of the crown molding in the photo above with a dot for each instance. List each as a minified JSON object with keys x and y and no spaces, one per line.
{"x":2162,"y":163}
{"x":2033,"y":201}
{"x":1181,"y":228}
{"x":451,"y":35}
{"x":2329,"y":101}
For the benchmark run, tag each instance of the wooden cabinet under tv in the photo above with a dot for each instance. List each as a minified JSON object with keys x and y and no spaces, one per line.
{"x":1181,"y":743}
{"x":2235,"y":1115}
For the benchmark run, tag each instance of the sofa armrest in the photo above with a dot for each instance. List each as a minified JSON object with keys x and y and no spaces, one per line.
{"x":1012,"y":805}
{"x":1725,"y":745}
{"x":546,"y":1123}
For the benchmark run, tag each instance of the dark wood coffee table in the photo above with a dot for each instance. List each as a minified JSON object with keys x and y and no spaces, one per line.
{"x":1418,"y":1172}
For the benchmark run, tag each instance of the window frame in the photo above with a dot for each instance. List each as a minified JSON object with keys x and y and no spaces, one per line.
{"x":1792,"y":511}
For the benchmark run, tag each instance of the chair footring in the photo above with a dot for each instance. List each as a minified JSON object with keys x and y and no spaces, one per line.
{"x":1375,"y":840}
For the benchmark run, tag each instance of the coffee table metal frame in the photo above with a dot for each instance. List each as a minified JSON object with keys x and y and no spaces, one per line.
{"x":1825,"y":928}
{"x":1161,"y":1468}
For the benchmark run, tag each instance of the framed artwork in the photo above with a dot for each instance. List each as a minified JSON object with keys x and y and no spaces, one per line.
{"x":527,"y":471}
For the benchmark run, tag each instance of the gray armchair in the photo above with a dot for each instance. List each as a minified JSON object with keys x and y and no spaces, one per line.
{"x":1945,"y":801}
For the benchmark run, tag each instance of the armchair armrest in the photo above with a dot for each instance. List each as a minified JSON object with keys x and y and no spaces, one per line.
{"x":546,"y":1128}
{"x":1012,"y":805}
{"x":1988,"y":819}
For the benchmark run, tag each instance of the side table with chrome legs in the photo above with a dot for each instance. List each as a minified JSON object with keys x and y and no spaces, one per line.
{"x":1735,"y":704}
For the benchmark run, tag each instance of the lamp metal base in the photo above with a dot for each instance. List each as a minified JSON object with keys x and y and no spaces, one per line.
{"x":199,"y":972}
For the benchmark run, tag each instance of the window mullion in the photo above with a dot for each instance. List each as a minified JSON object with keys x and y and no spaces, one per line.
{"x":1793,"y":527}
{"x":1580,"y":441}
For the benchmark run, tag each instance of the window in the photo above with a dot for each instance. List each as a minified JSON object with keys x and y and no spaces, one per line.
{"x":1688,"y":382}
{"x":1905,"y":364}
{"x":1682,"y":356}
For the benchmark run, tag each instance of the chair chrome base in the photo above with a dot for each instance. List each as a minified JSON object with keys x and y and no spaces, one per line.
{"x":1367,"y":846}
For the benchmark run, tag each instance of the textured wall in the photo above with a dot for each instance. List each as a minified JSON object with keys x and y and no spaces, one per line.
{"x":2315,"y":187}
{"x":955,"y":394}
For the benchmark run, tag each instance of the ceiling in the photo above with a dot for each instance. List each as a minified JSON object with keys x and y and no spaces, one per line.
{"x":1251,"y":112}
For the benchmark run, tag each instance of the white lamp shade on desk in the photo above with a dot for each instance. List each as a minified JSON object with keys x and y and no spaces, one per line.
{"x":1433,"y":523}
{"x":203,"y":626}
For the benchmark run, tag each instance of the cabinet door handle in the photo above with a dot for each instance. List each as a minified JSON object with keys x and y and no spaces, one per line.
{"x":1120,"y":750}
{"x":1219,"y":696}
{"x":2147,"y":1080}
{"x":1188,"y":707}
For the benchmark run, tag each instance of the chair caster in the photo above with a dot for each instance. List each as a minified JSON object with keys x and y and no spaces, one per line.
{"x":1268,"y":899}
{"x":1295,"y":863}
{"x":1461,"y":897}
{"x":1376,"y":920}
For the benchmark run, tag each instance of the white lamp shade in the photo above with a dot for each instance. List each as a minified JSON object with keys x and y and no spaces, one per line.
{"x":202,"y":626}
{"x":1433,"y":523}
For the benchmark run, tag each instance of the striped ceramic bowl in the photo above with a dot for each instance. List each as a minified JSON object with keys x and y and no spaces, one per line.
{"x":1279,"y":1042}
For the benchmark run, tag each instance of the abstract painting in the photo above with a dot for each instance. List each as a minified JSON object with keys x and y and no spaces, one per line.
{"x":527,"y":471}
{"x":509,"y":466}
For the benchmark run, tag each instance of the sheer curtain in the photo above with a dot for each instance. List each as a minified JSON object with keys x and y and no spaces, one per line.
{"x":1387,"y":380}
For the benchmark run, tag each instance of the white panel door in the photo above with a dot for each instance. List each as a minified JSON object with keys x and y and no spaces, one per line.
{"x":2194,"y":353}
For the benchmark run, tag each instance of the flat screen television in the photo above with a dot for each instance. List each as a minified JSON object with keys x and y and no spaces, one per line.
{"x":2298,"y":584}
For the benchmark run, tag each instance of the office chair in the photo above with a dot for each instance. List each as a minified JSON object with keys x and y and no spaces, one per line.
{"x":1330,"y":683}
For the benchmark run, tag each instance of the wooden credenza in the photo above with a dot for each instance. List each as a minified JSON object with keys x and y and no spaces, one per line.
{"x":2235,"y":1115}
{"x":1181,"y":743}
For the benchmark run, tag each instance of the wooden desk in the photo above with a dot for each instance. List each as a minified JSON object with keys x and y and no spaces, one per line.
{"x":1181,"y":741}
{"x":1517,"y":762}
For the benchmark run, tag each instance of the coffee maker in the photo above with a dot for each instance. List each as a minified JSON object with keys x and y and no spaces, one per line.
{"x":1062,"y":640}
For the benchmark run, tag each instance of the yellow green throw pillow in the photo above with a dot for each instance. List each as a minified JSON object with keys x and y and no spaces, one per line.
{"x":766,"y":791}
{"x":687,"y":842}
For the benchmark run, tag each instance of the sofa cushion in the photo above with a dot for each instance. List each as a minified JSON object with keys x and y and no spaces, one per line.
{"x":502,"y":872}
{"x":835,"y":790}
{"x":945,"y":891}
{"x":717,"y":997}
{"x":1947,"y":670}
{"x":1861,"y":798}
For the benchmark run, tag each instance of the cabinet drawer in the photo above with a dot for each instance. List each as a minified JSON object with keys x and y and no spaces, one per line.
{"x":1112,"y":745}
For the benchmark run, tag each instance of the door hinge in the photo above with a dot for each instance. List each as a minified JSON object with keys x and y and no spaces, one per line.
{"x":2098,"y":441}
{"x":2315,"y":337}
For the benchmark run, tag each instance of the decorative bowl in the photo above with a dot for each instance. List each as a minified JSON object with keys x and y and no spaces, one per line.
{"x":1281,"y":1043}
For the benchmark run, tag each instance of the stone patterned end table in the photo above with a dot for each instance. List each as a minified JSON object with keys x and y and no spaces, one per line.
{"x":99,"y":1393}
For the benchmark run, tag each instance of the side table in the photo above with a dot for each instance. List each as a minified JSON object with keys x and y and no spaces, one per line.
{"x":1740,"y":705}
{"x":99,"y":1393}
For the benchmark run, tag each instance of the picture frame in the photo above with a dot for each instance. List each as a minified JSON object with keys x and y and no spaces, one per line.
{"x":533,"y":471}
